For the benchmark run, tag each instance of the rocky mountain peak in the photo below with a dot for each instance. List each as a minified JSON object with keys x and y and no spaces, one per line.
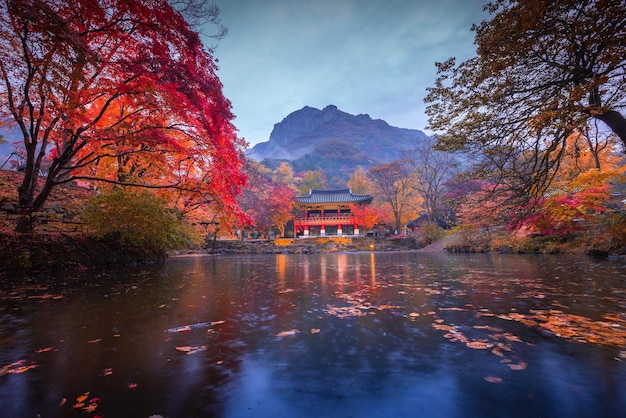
{"x":334,"y":141}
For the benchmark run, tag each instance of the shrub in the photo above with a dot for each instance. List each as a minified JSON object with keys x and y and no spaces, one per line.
{"x":136,"y":219}
{"x":430,"y":232}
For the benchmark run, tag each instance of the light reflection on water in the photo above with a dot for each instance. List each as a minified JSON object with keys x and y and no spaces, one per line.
{"x":332,"y":335}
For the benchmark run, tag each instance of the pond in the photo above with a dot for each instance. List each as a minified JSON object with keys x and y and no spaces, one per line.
{"x":402,"y":334}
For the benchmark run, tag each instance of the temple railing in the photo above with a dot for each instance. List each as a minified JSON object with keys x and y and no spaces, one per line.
{"x":329,"y":220}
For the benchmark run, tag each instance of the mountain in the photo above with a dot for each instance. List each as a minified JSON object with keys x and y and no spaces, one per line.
{"x":333,"y":141}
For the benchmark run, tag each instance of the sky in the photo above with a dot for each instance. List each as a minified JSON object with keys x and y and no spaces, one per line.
{"x":374,"y":57}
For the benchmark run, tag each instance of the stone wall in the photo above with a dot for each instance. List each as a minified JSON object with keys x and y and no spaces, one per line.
{"x":312,"y":245}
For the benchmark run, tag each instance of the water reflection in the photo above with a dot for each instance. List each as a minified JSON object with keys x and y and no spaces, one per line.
{"x":333,"y":335}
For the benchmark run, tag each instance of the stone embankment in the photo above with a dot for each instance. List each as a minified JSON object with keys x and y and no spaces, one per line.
{"x":51,"y":253}
{"x":311,"y":245}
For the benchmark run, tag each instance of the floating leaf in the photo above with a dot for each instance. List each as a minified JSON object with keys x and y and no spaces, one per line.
{"x":191,"y":350}
{"x":91,"y":407}
{"x":497,"y":352}
{"x":315,"y":330}
{"x":479,"y":345}
{"x":97,"y":340}
{"x":44,"y":350}
{"x":519,"y":366}
{"x":287,"y":333}
{"x":133,"y":385}
{"x":16,"y":368}
{"x":83,"y":397}
{"x":493,"y":379}
{"x":193,"y":326}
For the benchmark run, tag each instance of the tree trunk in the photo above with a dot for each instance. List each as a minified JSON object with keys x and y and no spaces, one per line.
{"x":28,"y":203}
{"x":616,"y":121}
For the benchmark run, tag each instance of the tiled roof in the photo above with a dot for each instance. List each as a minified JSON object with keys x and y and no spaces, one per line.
{"x":333,"y":196}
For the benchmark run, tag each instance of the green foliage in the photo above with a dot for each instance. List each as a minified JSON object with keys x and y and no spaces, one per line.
{"x":137,"y":219}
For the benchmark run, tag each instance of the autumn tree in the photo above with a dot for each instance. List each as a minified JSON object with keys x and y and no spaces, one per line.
{"x":543,"y":70}
{"x":120,"y":91}
{"x":589,"y":149}
{"x":267,"y":199}
{"x":313,"y":179}
{"x":284,"y":174}
{"x":394,"y":187}
{"x":359,"y":183}
{"x":365,"y":216}
{"x":432,"y":169}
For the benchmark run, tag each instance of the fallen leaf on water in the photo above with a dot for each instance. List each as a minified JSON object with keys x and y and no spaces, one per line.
{"x":488,"y":328}
{"x":493,"y":379}
{"x":107,"y":372}
{"x":479,"y":345}
{"x":191,"y":350}
{"x":511,"y":337}
{"x":497,"y":352}
{"x":315,"y":330}
{"x":382,"y":307}
{"x":97,"y":340}
{"x":91,"y":407}
{"x":83,"y":397}
{"x":519,"y":366}
{"x":16,"y":368}
{"x":132,"y":385}
{"x":62,"y":402}
{"x":44,"y":350}
{"x":193,"y":326}
{"x":287,"y":333}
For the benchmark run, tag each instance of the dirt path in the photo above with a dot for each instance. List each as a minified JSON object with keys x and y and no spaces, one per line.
{"x":437,"y":246}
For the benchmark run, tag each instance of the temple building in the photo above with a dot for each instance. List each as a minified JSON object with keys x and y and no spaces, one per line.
{"x":327,"y":212}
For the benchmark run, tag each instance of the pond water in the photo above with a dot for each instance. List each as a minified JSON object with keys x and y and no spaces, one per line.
{"x":403,"y":334}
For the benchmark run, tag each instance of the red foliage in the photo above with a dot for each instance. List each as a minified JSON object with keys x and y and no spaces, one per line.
{"x":566,"y":213}
{"x":120,"y":91}
{"x":365,"y":216}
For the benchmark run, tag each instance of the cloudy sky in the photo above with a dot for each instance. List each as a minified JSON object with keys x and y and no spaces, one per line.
{"x":364,"y":56}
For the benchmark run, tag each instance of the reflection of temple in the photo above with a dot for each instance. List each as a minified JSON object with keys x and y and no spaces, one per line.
{"x":327,"y":212}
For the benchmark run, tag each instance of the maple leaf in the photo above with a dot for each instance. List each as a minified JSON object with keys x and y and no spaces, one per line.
{"x":91,"y":407}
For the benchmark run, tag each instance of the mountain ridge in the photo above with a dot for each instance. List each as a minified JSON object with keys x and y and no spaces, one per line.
{"x":334,"y":142}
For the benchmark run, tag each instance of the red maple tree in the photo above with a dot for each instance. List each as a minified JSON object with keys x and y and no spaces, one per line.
{"x":121,"y":91}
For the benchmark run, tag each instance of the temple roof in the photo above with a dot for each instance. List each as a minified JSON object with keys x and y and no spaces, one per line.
{"x":333,"y":196}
